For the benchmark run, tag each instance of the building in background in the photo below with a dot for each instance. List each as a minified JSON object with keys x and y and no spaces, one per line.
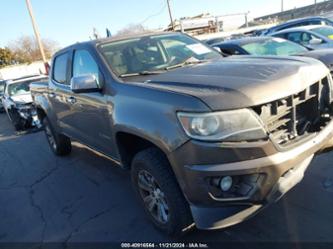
{"x":197,"y":25}
{"x":208,"y":24}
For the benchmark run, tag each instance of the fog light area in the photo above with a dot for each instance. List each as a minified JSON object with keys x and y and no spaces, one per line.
{"x":237,"y":186}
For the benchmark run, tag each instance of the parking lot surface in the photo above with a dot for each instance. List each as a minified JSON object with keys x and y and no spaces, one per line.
{"x":85,"y":198}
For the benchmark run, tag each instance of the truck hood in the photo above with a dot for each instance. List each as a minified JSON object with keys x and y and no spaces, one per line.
{"x":22,"y":99}
{"x":242,"y":81}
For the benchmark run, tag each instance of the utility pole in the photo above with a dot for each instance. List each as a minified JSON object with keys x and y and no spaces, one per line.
{"x":40,"y":44}
{"x":171,"y":19}
{"x":246,"y":20}
{"x":282,"y":7}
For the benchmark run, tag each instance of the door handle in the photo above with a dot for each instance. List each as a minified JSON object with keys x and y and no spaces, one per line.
{"x":71,"y":100}
{"x":52,"y":95}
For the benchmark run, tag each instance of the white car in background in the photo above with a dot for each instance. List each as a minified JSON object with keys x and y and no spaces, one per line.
{"x":17,"y":101}
{"x":2,"y":87}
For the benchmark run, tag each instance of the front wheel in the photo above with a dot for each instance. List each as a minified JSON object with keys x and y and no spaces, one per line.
{"x":60,"y":144}
{"x":16,"y":120}
{"x":160,"y":195}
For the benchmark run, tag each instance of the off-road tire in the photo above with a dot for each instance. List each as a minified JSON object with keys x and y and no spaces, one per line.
{"x":155,"y":162}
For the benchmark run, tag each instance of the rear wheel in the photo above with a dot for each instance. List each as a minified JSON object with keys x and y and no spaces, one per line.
{"x":160,"y":195}
{"x":60,"y":144}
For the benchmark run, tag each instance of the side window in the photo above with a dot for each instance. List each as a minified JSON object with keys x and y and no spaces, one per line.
{"x":230,"y":51}
{"x":307,"y":38}
{"x":84,"y":64}
{"x":283,"y":35}
{"x":316,"y":22}
{"x":60,"y":68}
{"x":294,"y":37}
{"x":226,"y":51}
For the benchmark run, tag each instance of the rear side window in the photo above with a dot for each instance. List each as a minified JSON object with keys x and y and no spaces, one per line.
{"x":294,"y":37}
{"x":60,"y":68}
{"x":230,"y":51}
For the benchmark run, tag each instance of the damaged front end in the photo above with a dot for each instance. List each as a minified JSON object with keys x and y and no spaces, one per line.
{"x":26,"y":117}
{"x":295,"y":118}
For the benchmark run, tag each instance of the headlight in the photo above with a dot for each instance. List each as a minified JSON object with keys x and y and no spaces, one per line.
{"x":230,"y":126}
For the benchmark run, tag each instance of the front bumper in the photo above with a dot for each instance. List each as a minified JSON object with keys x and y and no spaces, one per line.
{"x":281,"y":171}
{"x":29,"y":115}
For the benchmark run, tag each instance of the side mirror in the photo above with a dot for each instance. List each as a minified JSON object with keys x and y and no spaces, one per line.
{"x":84,"y":84}
{"x":315,"y":41}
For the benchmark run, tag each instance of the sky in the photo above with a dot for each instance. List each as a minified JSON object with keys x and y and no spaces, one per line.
{"x":70,"y":21}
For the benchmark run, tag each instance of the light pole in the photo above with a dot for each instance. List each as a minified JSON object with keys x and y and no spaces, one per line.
{"x":40,"y":44}
{"x":171,"y":19}
{"x":282,"y":7}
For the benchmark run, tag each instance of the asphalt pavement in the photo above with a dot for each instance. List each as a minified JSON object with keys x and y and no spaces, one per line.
{"x":85,"y":198}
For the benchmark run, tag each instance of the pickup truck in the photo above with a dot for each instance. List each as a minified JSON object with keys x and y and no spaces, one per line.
{"x":209,"y":141}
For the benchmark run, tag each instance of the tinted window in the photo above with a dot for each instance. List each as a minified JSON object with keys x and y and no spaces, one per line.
{"x":294,"y":37}
{"x":84,"y":64}
{"x":316,"y":22}
{"x":230,"y":51}
{"x":60,"y":68}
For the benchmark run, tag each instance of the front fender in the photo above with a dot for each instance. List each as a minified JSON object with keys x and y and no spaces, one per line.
{"x":152,"y":114}
{"x":42,"y":103}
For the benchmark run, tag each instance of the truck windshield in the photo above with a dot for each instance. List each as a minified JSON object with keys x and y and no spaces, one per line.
{"x":154,"y":53}
{"x":274,"y":46}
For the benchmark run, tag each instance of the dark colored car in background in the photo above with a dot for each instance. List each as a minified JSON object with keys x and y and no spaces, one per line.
{"x":208,"y":140}
{"x":273,"y":46}
{"x":317,"y":20}
{"x":17,"y":102}
{"x":214,"y":40}
{"x":314,"y":37}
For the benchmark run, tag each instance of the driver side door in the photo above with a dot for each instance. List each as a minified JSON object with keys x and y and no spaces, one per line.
{"x":90,"y":117}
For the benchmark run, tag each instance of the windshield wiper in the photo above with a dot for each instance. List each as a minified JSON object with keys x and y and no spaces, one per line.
{"x":189,"y":61}
{"x":140,"y":73}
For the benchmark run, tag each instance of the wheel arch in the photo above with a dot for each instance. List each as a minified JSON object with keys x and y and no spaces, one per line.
{"x":129,"y":144}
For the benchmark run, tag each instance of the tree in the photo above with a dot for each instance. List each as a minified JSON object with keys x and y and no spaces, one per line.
{"x":6,"y":57}
{"x":132,"y":29}
{"x":25,"y":49}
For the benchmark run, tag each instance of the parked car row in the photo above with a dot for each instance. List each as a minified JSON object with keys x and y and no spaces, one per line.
{"x":16,"y":101}
{"x":261,"y":46}
{"x":310,"y":37}
{"x":307,"y":21}
{"x":208,"y":140}
{"x":312,"y":32}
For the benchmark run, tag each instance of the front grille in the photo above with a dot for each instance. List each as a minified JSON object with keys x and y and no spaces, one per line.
{"x":292,"y":118}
